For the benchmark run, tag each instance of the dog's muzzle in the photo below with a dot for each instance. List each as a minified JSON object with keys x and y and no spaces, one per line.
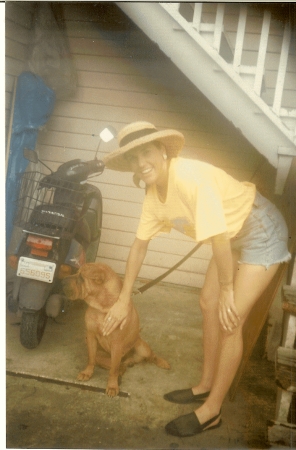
{"x":70,"y":288}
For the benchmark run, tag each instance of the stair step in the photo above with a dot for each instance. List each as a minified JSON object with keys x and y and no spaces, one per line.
{"x":285,"y":376}
{"x":289,"y":307}
{"x":281,"y":433}
{"x":247,"y":70}
{"x":247,"y":73}
{"x":287,"y":356}
{"x":285,"y":404}
{"x":289,"y":330}
{"x":207,"y":27}
{"x":285,"y":372}
{"x":288,"y":117}
{"x":206,"y":30}
{"x":289,"y":293}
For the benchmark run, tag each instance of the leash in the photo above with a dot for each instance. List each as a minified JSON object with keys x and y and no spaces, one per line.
{"x":165,"y":274}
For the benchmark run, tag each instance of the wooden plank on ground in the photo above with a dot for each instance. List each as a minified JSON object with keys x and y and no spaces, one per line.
{"x":281,"y":434}
{"x":285,"y":373}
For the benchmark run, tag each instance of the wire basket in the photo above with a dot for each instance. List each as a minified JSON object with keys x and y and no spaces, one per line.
{"x":49,"y":206}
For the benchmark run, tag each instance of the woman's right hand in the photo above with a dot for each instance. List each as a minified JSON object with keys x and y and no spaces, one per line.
{"x":228,"y":313}
{"x":116,"y":316}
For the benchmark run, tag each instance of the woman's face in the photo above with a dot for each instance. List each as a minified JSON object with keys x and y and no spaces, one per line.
{"x":149,"y":164}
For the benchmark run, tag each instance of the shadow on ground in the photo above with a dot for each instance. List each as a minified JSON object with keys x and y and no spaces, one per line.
{"x":48,"y":408}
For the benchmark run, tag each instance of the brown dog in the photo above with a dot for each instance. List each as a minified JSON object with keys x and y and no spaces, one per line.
{"x":100,"y":287}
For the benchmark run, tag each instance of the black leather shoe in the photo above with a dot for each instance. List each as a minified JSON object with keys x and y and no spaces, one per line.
{"x":184,"y":396}
{"x":189,"y":425}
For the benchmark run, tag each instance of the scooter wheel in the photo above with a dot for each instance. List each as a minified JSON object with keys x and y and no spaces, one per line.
{"x":32,"y":328}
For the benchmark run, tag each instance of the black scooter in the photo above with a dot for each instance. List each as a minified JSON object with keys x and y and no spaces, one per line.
{"x":61,"y":219}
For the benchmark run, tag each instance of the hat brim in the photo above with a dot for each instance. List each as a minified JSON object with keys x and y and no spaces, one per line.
{"x":173,"y":141}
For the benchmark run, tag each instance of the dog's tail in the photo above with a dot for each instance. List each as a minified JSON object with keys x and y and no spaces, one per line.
{"x":158,"y":361}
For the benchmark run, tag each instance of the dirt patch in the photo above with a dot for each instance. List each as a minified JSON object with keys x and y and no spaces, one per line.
{"x":259,"y":392}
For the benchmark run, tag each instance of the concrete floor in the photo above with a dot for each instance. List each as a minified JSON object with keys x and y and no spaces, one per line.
{"x":47,"y":408}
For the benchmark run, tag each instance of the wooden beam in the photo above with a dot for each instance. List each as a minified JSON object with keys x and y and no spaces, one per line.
{"x":285,"y":158}
{"x":255,"y":323}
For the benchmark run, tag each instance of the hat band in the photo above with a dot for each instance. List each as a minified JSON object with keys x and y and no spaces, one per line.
{"x":136,"y":135}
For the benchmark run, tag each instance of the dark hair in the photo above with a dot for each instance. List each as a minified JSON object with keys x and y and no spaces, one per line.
{"x":158,"y":144}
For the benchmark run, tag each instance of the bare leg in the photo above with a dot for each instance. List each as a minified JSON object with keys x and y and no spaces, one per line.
{"x":209,"y":307}
{"x":250,"y":282}
{"x":211,"y":326}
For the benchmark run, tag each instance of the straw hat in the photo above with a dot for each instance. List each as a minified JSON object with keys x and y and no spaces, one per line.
{"x":139,"y":133}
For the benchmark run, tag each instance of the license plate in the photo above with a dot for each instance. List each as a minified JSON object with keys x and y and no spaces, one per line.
{"x":36,"y":269}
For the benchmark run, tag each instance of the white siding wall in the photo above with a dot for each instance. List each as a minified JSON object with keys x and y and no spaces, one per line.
{"x":123,"y":77}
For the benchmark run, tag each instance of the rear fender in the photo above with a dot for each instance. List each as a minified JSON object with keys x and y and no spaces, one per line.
{"x":33,"y":294}
{"x":16,"y":287}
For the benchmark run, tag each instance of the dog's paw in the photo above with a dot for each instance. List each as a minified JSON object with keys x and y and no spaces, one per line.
{"x":84,"y":376}
{"x":112,"y":391}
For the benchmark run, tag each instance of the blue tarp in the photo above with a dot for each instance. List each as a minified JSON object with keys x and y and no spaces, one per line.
{"x":34,"y":103}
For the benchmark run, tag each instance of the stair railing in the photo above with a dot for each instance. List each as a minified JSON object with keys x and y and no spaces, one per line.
{"x":254,"y":75}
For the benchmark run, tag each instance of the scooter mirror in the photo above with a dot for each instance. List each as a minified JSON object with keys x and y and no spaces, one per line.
{"x":31,"y":155}
{"x":107,"y":134}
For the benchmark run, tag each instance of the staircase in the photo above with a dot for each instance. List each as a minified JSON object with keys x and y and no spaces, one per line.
{"x":241,"y":59}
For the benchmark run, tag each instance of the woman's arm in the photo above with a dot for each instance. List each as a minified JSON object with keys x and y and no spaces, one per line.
{"x":119,"y":310}
{"x":228,"y":313}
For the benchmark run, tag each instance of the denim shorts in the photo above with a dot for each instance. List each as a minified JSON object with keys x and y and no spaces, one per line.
{"x":263,"y":237}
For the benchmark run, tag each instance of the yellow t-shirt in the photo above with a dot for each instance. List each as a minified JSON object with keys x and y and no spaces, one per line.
{"x":202,"y":201}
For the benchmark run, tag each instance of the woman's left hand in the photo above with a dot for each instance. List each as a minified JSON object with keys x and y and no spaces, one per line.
{"x":228,"y":313}
{"x":116,"y":316}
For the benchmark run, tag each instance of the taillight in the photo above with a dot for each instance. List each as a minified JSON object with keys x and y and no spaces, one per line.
{"x":40,"y":246}
{"x":65,"y":271}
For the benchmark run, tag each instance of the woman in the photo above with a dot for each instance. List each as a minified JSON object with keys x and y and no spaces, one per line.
{"x":248,"y":237}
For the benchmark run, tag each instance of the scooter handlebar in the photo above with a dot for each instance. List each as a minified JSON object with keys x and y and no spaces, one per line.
{"x":76,"y":170}
{"x":97,"y":166}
